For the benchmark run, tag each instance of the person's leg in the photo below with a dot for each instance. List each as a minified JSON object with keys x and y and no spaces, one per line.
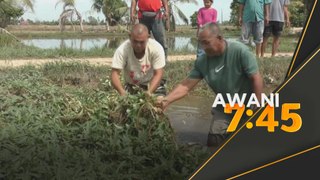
{"x":258,"y":49}
{"x":258,"y":28}
{"x":147,"y":23}
{"x":277,"y":30}
{"x":275,"y":45}
{"x":266,"y":34}
{"x":159,"y":35}
{"x":218,"y":128}
{"x":264,"y":46}
{"x":245,"y":32}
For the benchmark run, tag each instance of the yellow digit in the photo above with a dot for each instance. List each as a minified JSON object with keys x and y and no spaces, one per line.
{"x":236,"y":118}
{"x":268,"y":113}
{"x":286,"y":115}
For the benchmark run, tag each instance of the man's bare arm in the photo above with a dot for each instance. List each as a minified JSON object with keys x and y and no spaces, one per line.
{"x":133,"y":11}
{"x":257,"y":84}
{"x":116,"y":83}
{"x":155,"y":81}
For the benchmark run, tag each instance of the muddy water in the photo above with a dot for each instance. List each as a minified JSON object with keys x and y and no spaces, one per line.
{"x":190,"y":117}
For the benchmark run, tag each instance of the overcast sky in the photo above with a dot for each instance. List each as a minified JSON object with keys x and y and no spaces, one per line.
{"x":47,"y":10}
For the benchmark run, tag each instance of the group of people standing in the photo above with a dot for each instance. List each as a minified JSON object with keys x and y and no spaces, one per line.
{"x":259,"y":18}
{"x":226,"y":66}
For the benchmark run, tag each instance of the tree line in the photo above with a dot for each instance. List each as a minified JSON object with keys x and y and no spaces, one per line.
{"x":117,"y":11}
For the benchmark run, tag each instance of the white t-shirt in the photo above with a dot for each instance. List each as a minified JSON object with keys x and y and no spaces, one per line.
{"x":139,"y":71}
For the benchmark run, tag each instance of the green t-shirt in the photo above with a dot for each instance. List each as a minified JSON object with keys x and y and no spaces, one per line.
{"x":228,"y":73}
{"x":253,"y":10}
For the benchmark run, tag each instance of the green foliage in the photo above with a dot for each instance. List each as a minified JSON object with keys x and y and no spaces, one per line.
{"x":8,"y":12}
{"x":297,"y":13}
{"x":11,"y":9}
{"x":65,"y":121}
{"x":234,"y":6}
{"x":92,"y":20}
{"x":113,"y":10}
{"x":193,"y":19}
{"x":6,"y":40}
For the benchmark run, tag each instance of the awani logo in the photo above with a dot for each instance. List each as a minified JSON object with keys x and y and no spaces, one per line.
{"x":232,"y":100}
{"x":235,"y":103}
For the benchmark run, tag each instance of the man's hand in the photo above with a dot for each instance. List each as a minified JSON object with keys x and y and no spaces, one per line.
{"x":288,"y":24}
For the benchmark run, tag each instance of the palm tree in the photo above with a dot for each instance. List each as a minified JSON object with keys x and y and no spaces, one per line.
{"x":27,"y":3}
{"x":13,"y":9}
{"x":176,"y":13}
{"x":69,"y":10}
{"x":113,"y":10}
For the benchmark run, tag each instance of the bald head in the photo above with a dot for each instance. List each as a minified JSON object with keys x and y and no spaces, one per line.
{"x":213,"y":28}
{"x":139,"y":36}
{"x":139,"y":29}
{"x":211,"y":40}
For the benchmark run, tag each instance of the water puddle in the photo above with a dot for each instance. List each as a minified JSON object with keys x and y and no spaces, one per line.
{"x":191,"y":117}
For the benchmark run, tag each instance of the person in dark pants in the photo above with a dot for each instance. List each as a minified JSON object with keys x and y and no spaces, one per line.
{"x":279,"y":16}
{"x":150,"y":14}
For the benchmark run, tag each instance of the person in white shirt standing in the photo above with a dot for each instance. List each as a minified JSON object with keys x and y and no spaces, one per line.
{"x":142,"y":60}
{"x":279,"y":16}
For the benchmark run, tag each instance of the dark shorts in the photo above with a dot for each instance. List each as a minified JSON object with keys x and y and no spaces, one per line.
{"x":274,"y":27}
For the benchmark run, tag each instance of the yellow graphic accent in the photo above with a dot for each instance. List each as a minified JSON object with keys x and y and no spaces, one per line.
{"x":302,"y":37}
{"x":283,"y":159}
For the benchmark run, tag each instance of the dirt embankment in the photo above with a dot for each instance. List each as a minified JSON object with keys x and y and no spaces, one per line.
{"x":98,"y":61}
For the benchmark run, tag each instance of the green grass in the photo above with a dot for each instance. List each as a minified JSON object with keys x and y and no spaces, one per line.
{"x":65,"y":121}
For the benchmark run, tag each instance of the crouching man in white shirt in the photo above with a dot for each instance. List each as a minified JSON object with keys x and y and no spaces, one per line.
{"x":142,"y":60}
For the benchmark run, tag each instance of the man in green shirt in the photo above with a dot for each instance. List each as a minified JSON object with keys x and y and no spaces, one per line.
{"x":227,"y":67}
{"x":253,"y":16}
